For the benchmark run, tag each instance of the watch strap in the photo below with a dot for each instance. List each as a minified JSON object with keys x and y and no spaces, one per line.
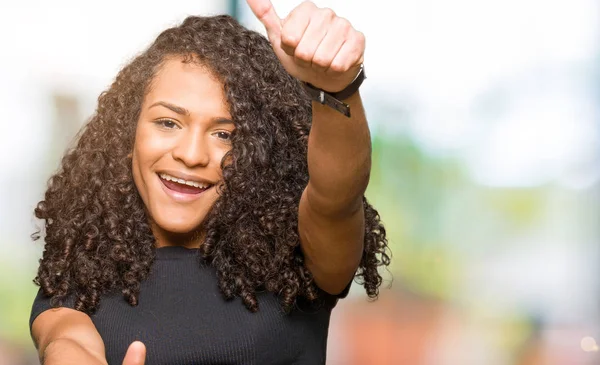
{"x":325,"y":98}
{"x":334,"y":100}
{"x":353,"y":86}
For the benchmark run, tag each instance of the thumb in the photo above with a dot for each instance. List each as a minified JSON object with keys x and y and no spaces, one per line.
{"x":265,"y":12}
{"x":136,"y":354}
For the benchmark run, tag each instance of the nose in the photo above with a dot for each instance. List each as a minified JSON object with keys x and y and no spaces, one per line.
{"x":192,"y":150}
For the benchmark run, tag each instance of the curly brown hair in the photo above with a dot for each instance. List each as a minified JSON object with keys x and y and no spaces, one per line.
{"x":97,"y":234}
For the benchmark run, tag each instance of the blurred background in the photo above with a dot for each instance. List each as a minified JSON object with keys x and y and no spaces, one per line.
{"x":485,"y":118}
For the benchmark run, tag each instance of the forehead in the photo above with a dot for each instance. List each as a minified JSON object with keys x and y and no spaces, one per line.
{"x":187,"y":84}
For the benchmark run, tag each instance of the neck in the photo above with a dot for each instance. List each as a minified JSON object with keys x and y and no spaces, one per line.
{"x":188,"y":240}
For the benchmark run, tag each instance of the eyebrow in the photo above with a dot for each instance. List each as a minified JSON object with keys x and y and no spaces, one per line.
{"x":175,"y":108}
{"x":183,"y":111}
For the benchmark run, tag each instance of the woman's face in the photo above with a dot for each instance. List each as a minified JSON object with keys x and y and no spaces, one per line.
{"x":182,"y":135}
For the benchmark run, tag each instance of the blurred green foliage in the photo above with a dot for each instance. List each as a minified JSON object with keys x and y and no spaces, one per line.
{"x":436,"y":216}
{"x":409,"y":189}
{"x":17,"y":292}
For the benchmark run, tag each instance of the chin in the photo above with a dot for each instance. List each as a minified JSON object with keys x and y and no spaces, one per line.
{"x":179,"y":227}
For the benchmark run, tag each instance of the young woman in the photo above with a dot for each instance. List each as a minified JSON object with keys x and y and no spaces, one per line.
{"x":209,"y":213}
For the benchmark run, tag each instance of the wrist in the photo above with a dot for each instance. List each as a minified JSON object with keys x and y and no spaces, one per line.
{"x":336,"y":100}
{"x":353,"y":86}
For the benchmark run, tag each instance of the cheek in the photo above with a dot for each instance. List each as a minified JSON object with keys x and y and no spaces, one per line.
{"x":147,"y":144}
{"x":150,"y":146}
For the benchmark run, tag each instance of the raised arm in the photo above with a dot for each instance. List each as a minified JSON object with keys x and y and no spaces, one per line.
{"x":318,"y":47}
{"x":331,"y":216}
{"x":64,"y":336}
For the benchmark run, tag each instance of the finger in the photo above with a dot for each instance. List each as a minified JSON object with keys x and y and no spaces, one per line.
{"x":351,"y":54}
{"x":331,"y":44}
{"x":317,"y":29}
{"x":294,"y":26}
{"x":265,"y":12}
{"x":136,"y":354}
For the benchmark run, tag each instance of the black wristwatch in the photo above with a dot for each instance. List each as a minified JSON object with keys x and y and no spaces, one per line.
{"x":334,"y":100}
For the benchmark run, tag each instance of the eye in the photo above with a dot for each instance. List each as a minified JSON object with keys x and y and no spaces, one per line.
{"x":166,"y":124}
{"x":226,"y":136}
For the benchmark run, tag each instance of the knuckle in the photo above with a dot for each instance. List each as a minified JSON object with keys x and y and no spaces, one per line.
{"x":320,"y":60}
{"x":302,"y":54}
{"x":290,"y":38}
{"x":337,"y":66}
{"x":343,"y":24}
{"x":308,"y":5}
{"x":361,"y":43}
{"x":328,"y":13}
{"x":360,"y":37}
{"x":358,"y":41}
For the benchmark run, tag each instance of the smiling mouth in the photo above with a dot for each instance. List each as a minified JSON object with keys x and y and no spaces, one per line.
{"x":183,"y":186}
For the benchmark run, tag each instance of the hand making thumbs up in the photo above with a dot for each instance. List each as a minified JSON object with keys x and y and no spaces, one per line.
{"x":313,"y":44}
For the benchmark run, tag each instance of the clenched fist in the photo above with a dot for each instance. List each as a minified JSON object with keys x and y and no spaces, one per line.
{"x":313,"y":44}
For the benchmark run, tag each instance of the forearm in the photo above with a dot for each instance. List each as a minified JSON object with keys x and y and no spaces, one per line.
{"x":64,"y":351}
{"x":339,"y":157}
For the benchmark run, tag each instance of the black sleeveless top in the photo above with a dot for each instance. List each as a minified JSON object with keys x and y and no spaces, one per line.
{"x":183,"y":319}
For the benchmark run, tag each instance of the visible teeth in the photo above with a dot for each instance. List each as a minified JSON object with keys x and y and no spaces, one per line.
{"x":184,"y":182}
